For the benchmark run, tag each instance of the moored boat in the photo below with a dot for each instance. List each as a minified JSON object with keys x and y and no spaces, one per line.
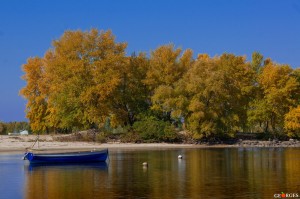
{"x":67,"y":157}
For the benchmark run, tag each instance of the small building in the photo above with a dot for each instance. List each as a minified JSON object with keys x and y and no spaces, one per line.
{"x":25,"y":132}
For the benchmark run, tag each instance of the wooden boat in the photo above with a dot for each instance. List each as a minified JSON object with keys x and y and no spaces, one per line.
{"x":67,"y":157}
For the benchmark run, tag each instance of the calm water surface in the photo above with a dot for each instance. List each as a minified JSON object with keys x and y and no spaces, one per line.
{"x":202,"y":173}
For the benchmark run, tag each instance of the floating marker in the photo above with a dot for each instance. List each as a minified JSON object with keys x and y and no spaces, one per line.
{"x":180,"y":157}
{"x":145,"y":164}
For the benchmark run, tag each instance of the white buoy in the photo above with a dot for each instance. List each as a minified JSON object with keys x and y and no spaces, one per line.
{"x":145,"y":164}
{"x":180,"y":157}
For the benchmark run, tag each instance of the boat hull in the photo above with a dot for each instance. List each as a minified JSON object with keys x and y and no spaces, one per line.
{"x":72,"y":157}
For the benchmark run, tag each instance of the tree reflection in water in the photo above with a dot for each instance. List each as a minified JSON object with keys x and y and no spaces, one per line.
{"x":202,"y":173}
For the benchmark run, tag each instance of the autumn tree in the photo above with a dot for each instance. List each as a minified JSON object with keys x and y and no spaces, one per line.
{"x":83,"y":71}
{"x":167,"y":66}
{"x":163,"y":68}
{"x":86,"y":79}
{"x":296,"y":74}
{"x":292,"y":122}
{"x":72,"y":86}
{"x":213,"y":95}
{"x":36,"y":108}
{"x":280,"y":92}
{"x":202,"y":85}
{"x":131,"y":95}
{"x":238,"y":81}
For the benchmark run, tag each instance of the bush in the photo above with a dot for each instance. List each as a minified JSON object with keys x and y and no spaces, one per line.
{"x":101,"y":137}
{"x":170,"y":133}
{"x":130,"y":136}
{"x":119,"y":130}
{"x":152,"y":129}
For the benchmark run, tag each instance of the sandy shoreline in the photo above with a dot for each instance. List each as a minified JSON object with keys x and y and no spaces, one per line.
{"x":20,"y":143}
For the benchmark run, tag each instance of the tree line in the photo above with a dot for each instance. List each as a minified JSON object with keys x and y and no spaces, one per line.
{"x":13,"y":127}
{"x":86,"y":80}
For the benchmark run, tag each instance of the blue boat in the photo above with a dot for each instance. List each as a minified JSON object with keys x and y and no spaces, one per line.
{"x":68,"y":157}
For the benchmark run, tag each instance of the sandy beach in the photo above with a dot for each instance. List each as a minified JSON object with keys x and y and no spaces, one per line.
{"x":20,"y":143}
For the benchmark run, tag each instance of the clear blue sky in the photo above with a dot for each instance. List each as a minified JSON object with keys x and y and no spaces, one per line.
{"x":27,"y":29}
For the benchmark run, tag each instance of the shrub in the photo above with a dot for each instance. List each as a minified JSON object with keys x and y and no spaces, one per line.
{"x":130,"y":136}
{"x":101,"y":137}
{"x":152,"y":129}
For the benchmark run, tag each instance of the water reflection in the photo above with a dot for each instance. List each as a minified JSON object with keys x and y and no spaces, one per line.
{"x":65,"y":180}
{"x":202,"y":173}
{"x":67,"y":166}
{"x":236,"y":173}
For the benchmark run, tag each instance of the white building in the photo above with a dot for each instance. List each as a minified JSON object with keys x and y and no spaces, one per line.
{"x":25,"y":132}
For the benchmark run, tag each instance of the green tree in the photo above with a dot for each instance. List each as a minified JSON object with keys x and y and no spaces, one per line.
{"x":257,"y":62}
{"x":2,"y":128}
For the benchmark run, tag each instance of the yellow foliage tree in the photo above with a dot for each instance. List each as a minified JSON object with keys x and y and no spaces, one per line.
{"x":131,"y":95}
{"x":280,"y":91}
{"x":35,"y":93}
{"x":86,"y":79}
{"x":292,"y":122}
{"x":167,"y":67}
{"x":72,"y":86}
{"x":83,"y":70}
{"x":215,"y":93}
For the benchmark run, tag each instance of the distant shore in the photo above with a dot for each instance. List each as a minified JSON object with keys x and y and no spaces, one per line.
{"x":20,"y":143}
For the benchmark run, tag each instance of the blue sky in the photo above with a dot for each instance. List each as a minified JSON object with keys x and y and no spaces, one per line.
{"x":27,"y":28}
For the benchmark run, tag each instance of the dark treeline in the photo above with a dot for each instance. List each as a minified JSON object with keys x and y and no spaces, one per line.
{"x":86,"y":81}
{"x":13,"y":127}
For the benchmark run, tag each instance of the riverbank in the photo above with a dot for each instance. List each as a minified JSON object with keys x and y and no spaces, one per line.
{"x":20,"y":143}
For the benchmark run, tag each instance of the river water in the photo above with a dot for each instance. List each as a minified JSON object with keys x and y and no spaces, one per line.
{"x":202,"y":173}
